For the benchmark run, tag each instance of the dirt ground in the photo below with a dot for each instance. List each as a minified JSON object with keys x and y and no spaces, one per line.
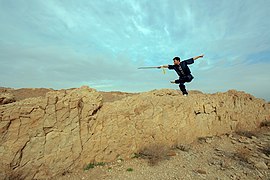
{"x":242,"y":155}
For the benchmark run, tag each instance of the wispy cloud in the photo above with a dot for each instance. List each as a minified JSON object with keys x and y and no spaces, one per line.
{"x":63,"y":44}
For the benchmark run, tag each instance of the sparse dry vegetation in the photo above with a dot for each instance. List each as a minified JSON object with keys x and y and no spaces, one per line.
{"x":154,"y":153}
{"x":129,"y":169}
{"x":265,"y":124}
{"x":242,"y":154}
{"x":266,"y":150}
{"x":92,"y":165}
{"x":183,"y":147}
{"x":15,"y":176}
{"x":247,"y":134}
{"x":201,"y":139}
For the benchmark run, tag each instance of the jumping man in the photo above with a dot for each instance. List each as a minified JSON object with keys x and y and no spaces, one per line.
{"x":183,"y":71}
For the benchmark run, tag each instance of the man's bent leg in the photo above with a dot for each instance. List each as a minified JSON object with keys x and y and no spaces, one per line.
{"x":181,"y":82}
{"x":178,"y":81}
{"x":183,"y":88}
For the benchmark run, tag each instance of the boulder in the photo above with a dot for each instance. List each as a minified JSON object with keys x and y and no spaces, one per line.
{"x":6,"y":98}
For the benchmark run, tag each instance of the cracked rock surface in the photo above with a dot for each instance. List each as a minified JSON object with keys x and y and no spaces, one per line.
{"x":43,"y":136}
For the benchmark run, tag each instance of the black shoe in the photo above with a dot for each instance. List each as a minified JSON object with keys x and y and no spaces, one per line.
{"x":185,"y":93}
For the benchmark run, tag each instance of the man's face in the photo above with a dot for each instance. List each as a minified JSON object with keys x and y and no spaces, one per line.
{"x":175,"y":62}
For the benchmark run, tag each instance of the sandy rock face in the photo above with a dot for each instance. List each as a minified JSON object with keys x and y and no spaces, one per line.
{"x":166,"y":117}
{"x":41,"y":137}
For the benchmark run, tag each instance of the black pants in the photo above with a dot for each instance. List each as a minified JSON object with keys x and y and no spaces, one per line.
{"x":182,"y":80}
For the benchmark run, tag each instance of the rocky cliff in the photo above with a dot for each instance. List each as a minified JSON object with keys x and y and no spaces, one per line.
{"x":43,"y":136}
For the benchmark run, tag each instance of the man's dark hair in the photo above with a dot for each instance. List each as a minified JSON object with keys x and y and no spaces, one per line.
{"x":176,"y":58}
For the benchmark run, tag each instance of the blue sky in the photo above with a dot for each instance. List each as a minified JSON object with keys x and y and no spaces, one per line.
{"x":67,"y":43}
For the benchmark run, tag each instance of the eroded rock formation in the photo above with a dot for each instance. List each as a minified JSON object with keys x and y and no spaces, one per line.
{"x":41,"y":137}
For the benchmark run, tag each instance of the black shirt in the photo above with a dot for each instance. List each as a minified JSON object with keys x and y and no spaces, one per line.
{"x":182,"y":69}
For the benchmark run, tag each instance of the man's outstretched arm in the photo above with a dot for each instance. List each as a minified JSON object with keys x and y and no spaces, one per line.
{"x":163,"y":66}
{"x":197,"y":57}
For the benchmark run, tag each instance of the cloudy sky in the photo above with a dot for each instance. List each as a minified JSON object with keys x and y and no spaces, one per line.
{"x":67,"y":43}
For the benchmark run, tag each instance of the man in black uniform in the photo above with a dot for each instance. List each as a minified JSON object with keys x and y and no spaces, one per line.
{"x":183,"y":71}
